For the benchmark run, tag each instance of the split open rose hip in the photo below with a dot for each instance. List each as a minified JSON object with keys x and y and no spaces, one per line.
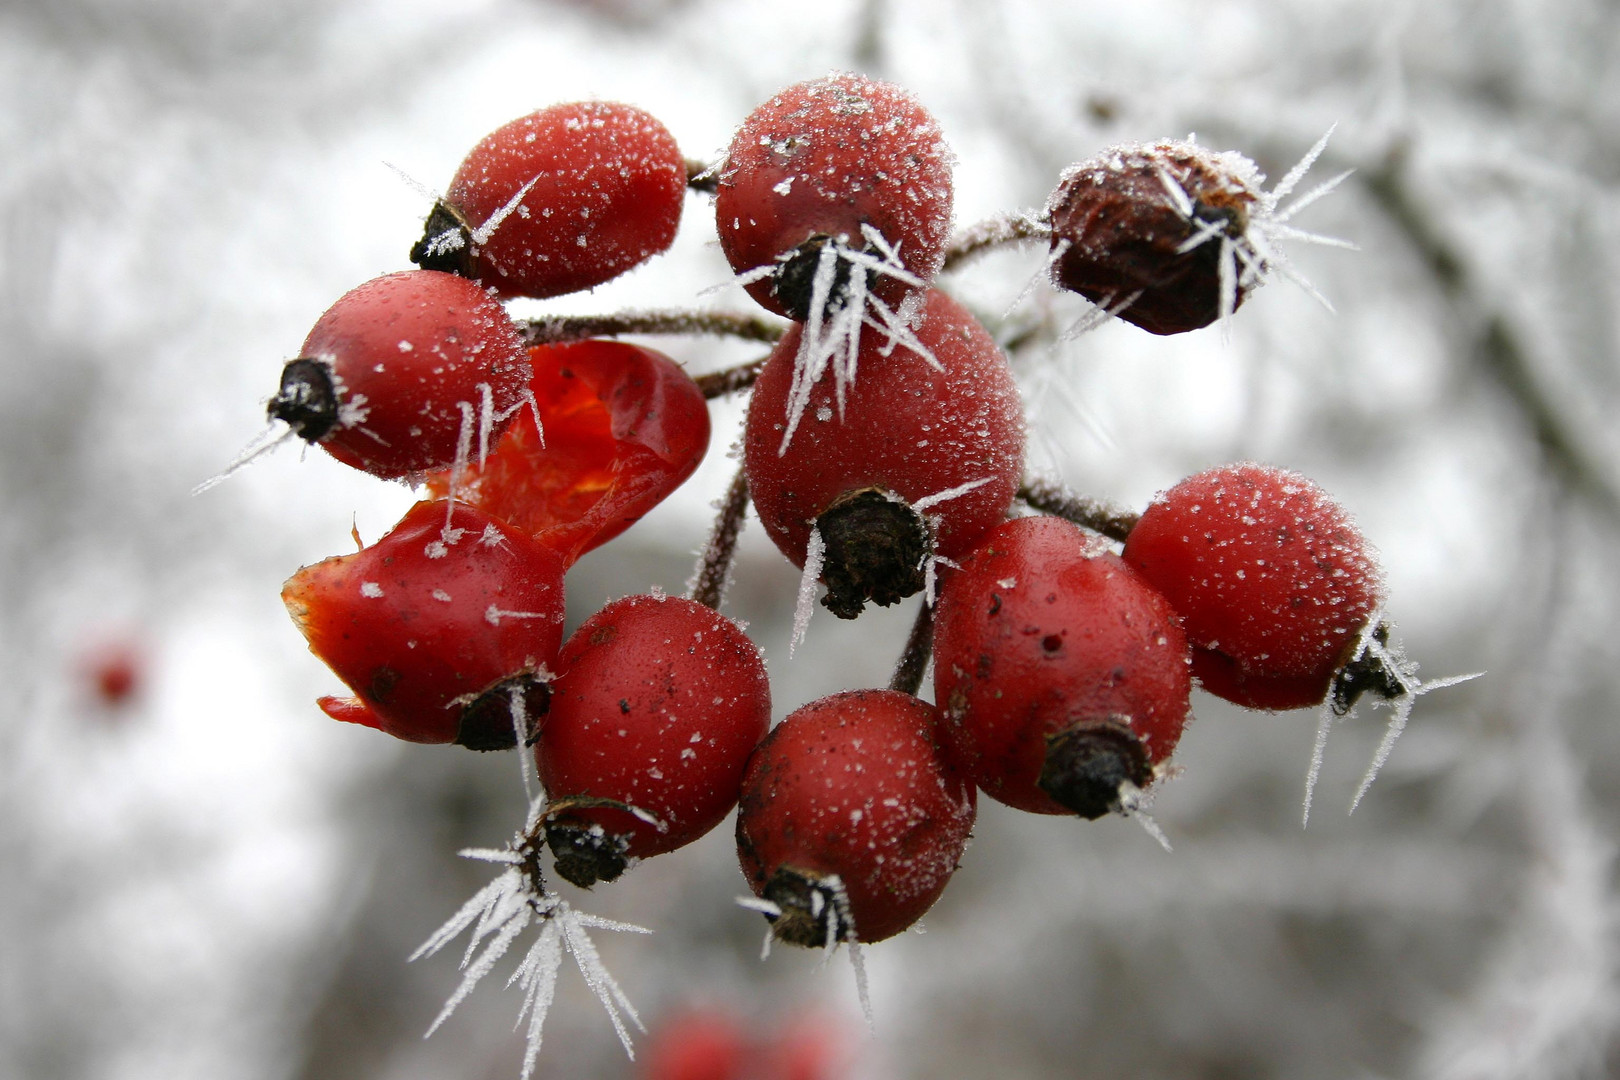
{"x":624,"y":426}
{"x":446,"y":629}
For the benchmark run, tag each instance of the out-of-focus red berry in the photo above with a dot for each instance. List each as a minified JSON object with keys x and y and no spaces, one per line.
{"x":114,"y":670}
{"x":700,"y":1045}
{"x":623,"y":427}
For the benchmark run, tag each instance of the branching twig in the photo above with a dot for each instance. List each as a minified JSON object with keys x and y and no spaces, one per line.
{"x":1498,"y":347}
{"x":708,"y":584}
{"x":908,"y":673}
{"x":992,"y":233}
{"x":720,"y":383}
{"x":702,"y":176}
{"x":1055,"y":499}
{"x":554,"y":329}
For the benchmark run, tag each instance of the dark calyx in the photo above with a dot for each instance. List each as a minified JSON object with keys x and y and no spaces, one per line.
{"x":487,"y":722}
{"x":794,"y":282}
{"x":307,"y":401}
{"x":583,"y":852}
{"x":809,"y":909}
{"x":1087,"y":766}
{"x":876,"y":549}
{"x":1367,"y":673}
{"x":446,"y":244}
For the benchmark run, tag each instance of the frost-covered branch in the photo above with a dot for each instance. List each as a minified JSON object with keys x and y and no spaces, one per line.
{"x":908,"y":673}
{"x":992,"y":233}
{"x":1498,"y":348}
{"x":555,"y":329}
{"x":713,"y":574}
{"x":729,"y":381}
{"x":1059,"y":501}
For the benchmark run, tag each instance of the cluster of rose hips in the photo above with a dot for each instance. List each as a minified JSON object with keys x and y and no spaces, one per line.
{"x":884,"y":455}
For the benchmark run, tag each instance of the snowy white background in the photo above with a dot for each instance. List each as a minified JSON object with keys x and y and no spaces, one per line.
{"x":217,"y":882}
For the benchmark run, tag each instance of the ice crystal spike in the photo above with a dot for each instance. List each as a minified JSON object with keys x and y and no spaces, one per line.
{"x":500,"y":912}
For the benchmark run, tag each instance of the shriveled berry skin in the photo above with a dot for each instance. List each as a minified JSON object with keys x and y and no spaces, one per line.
{"x":825,"y":157}
{"x":624,"y":427}
{"x":1121,"y":232}
{"x":1271,"y":578}
{"x":424,"y":619}
{"x":408,"y":356}
{"x":1039,"y":634}
{"x":659,"y":702}
{"x":856,"y":785}
{"x":609,"y":183}
{"x":906,"y":427}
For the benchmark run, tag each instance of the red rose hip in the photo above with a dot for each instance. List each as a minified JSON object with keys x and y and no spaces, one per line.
{"x":624,"y":426}
{"x":1273,"y":582}
{"x":397,"y":377}
{"x":834,"y":161}
{"x":659,"y":702}
{"x":436,"y":627}
{"x":856,"y":468}
{"x":563,"y":199}
{"x":851,"y":820}
{"x":1061,"y":672}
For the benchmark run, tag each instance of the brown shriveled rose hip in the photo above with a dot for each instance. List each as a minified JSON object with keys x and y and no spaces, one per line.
{"x":1158,"y":233}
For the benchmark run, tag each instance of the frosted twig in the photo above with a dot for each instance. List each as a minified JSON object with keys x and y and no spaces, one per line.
{"x":713,"y":573}
{"x":992,"y":233}
{"x":1053,"y":498}
{"x":913,"y":663}
{"x":730,"y":380}
{"x":555,"y":329}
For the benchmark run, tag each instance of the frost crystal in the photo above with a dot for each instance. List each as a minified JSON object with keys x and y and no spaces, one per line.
{"x":1400,"y":688}
{"x":815,"y":552}
{"x":838,"y":313}
{"x":500,"y":912}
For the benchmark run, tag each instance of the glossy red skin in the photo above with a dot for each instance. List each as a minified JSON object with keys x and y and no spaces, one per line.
{"x":404,"y":351}
{"x":853,"y":151}
{"x":1271,"y":578}
{"x":707,"y":1045}
{"x":659,"y":702}
{"x":857,"y":785}
{"x":624,"y":427}
{"x":1040,"y":632}
{"x":906,"y":427}
{"x":610,"y":188}
{"x":407,"y":653}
